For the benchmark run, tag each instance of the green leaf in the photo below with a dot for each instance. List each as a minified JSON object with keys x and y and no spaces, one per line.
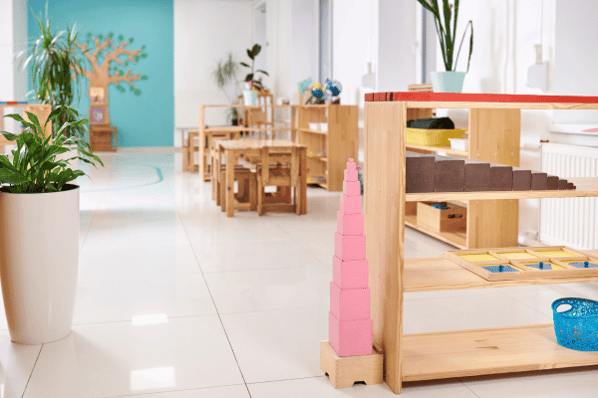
{"x":250,"y":55}
{"x":245,"y":65}
{"x":143,"y":77}
{"x":131,"y":40}
{"x":137,"y":92}
{"x":144,"y":55}
{"x":255,"y":50}
{"x":262,"y":71}
{"x":249,"y":77}
{"x":120,"y":37}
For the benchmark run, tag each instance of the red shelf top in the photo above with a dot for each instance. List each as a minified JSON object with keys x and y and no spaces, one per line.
{"x":464,"y":97}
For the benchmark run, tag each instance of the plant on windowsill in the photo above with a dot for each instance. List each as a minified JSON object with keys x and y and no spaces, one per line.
{"x":449,"y":81}
{"x":39,"y":229}
{"x":253,"y":83}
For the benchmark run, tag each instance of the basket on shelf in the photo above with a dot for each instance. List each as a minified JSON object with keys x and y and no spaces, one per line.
{"x":576,"y":327}
{"x":432,"y":137}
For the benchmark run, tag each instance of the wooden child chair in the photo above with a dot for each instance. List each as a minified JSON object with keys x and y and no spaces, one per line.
{"x":280,"y":169}
{"x":245,"y":197}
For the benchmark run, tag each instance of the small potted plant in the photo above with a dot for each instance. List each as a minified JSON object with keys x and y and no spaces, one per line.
{"x":39,"y":228}
{"x":253,"y":83}
{"x":445,"y":21}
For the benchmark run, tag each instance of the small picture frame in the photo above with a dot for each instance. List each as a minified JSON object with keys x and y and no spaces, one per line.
{"x":96,"y":115}
{"x":97,"y":95}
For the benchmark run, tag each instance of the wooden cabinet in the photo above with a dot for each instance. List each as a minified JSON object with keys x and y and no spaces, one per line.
{"x":330,"y":144}
{"x":413,"y":357}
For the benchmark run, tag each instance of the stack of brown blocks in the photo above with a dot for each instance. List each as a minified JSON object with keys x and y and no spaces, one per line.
{"x":434,"y":173}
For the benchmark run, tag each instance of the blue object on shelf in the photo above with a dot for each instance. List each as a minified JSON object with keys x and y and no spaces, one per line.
{"x":540,"y":266}
{"x":441,"y":207}
{"x":496,"y":269}
{"x":576,"y":327}
{"x":583,"y":264}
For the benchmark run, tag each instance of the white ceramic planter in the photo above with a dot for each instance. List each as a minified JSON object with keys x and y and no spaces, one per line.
{"x":447,"y":82}
{"x":250,"y":97}
{"x":39,"y":258}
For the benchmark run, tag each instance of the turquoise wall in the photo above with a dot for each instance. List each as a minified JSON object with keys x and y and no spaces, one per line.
{"x":142,"y":121}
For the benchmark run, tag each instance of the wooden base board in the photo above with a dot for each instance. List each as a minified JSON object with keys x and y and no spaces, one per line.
{"x":465,"y":353}
{"x":345,"y":371}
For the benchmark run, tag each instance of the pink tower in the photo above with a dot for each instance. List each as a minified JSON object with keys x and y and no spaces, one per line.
{"x":350,"y":325}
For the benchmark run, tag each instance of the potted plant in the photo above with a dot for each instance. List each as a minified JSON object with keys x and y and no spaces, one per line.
{"x":253,"y":83}
{"x":55,"y":64}
{"x":39,"y":229}
{"x":225,"y":74}
{"x":445,"y":21}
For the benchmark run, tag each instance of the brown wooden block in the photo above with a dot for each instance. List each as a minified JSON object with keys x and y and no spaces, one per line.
{"x":522,"y":180}
{"x":501,"y":178}
{"x":449,"y":175}
{"x":570,"y":186}
{"x":477,"y":176}
{"x":539,"y":181}
{"x":563,"y":184}
{"x":552,"y":183}
{"x":420,"y":173}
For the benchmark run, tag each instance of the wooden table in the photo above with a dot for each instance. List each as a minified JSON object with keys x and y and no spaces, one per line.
{"x":234,"y":149}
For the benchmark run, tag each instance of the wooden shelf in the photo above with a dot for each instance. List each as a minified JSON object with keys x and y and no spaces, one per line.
{"x":439,"y":273}
{"x":447,"y":150}
{"x":314,"y":131}
{"x":465,"y":353}
{"x":225,"y":129}
{"x":457,"y":239}
{"x":585,"y":189}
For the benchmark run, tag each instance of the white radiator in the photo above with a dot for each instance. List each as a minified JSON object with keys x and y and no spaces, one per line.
{"x":572,"y":221}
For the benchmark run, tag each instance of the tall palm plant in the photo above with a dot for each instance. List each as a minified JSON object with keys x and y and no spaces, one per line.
{"x":55,"y":63}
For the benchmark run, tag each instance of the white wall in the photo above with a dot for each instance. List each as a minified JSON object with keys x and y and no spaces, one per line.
{"x":13,"y":39}
{"x":205,"y":31}
{"x":354,"y":32}
{"x":576,"y":57}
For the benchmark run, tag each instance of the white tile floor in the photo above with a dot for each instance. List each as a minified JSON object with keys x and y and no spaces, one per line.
{"x":175,"y":300}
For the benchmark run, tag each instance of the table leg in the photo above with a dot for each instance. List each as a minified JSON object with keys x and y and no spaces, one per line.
{"x":230,"y":183}
{"x":202,"y":170}
{"x":303,"y":180}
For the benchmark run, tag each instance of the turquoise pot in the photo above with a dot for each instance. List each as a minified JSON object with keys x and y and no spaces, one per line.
{"x":447,"y":82}
{"x":250,"y":97}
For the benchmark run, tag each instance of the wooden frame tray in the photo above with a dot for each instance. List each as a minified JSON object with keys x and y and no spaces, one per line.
{"x":525,"y":263}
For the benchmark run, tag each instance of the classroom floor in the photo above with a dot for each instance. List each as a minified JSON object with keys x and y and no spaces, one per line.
{"x":175,"y":300}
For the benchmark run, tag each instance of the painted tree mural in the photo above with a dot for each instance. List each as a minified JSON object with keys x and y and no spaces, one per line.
{"x":110,"y":62}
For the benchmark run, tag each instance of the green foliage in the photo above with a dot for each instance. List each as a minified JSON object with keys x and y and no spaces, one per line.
{"x":56,"y":66}
{"x":250,"y":77}
{"x":446,"y":33}
{"x":34,"y":167}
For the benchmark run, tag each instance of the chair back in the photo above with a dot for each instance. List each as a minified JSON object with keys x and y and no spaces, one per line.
{"x":279,"y":167}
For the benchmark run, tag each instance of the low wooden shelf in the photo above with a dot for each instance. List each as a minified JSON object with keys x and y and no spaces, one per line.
{"x":455,"y":238}
{"x":339,"y":143}
{"x":438,"y":273}
{"x":465,"y":352}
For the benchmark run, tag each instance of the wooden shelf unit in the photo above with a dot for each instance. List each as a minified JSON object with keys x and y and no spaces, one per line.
{"x":458,"y":353}
{"x":494,"y":136}
{"x":339,"y":143}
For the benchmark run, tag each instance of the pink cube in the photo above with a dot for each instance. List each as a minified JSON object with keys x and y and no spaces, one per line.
{"x":351,"y":175}
{"x":349,"y":248}
{"x":351,"y":204}
{"x":350,"y":337}
{"x":352,"y":188}
{"x":349,"y":304}
{"x":349,"y":224}
{"x":351,"y":164}
{"x":350,"y":274}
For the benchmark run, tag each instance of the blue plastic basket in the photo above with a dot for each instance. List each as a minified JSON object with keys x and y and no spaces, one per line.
{"x":576,"y":327}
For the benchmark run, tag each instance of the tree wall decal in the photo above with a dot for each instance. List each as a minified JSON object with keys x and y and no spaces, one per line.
{"x":108,"y":60}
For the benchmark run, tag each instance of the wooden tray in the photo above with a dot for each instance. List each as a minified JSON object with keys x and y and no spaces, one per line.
{"x":525,"y":263}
